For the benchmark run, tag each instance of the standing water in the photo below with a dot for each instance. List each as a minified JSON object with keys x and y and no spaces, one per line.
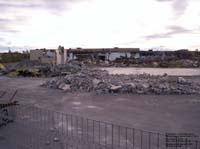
{"x":154,"y":71}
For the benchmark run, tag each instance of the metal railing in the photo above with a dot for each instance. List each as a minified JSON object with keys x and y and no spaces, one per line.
{"x":30,"y":127}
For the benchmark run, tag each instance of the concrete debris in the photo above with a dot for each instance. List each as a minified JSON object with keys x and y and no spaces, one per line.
{"x":89,"y":80}
{"x":181,"y":80}
{"x":115,"y":87}
{"x":64,"y":87}
{"x":55,"y":139}
{"x":96,"y":82}
{"x":47,"y":143}
{"x":66,"y":69}
{"x":36,"y":69}
{"x":145,"y":61}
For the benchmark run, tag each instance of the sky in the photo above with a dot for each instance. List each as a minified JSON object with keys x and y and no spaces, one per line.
{"x":163,"y":24}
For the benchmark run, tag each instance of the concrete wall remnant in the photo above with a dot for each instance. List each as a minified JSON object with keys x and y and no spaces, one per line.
{"x":43,"y":56}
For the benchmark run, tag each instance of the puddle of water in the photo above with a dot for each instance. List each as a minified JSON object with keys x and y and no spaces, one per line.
{"x":155,"y":71}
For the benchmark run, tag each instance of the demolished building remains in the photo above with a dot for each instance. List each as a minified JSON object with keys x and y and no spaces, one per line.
{"x":43,"y":56}
{"x":118,"y":57}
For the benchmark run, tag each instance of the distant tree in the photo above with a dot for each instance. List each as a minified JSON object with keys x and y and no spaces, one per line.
{"x":183,"y":54}
{"x":13,"y":57}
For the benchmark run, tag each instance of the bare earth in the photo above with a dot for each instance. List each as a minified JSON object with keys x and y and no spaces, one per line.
{"x":162,"y":113}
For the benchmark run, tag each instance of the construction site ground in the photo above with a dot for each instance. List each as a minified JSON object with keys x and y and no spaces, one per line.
{"x":161,"y":113}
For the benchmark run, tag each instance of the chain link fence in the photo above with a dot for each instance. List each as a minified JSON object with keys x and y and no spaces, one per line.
{"x":28,"y":127}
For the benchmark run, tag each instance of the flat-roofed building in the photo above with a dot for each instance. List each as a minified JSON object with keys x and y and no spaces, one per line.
{"x":43,"y":56}
{"x":107,"y":54}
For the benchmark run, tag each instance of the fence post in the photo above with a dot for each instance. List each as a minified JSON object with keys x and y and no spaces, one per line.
{"x":112,"y":135}
{"x":141,"y":139}
{"x":133,"y":138}
{"x":158,"y":140}
{"x":149,"y":140}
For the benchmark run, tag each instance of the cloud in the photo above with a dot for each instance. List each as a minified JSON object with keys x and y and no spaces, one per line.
{"x":173,"y":30}
{"x":164,"y":0}
{"x":50,"y":5}
{"x":178,"y":29}
{"x":179,"y":6}
{"x":4,"y":43}
{"x":1,"y":39}
{"x":3,"y":48}
{"x":7,"y":24}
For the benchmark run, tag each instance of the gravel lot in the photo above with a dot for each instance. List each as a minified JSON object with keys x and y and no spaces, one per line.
{"x":163,"y":113}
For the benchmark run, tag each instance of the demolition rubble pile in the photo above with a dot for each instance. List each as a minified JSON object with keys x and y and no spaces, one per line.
{"x":66,"y":69}
{"x":100,"y":81}
{"x":36,"y":69}
{"x":145,"y":62}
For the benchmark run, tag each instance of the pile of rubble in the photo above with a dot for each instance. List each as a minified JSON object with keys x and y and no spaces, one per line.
{"x":66,"y":69}
{"x":2,"y":69}
{"x":144,"y":62}
{"x":89,"y":80}
{"x":36,"y":69}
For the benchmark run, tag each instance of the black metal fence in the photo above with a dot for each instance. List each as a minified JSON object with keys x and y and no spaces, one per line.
{"x":27,"y":127}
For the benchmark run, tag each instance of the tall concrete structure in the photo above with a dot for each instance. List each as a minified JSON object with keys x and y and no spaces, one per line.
{"x":65,"y":56}
{"x":60,"y":55}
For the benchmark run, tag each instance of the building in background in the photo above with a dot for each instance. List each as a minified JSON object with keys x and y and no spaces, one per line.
{"x":43,"y":56}
{"x":110,"y":55}
{"x":104,"y":54}
{"x":62,"y":56}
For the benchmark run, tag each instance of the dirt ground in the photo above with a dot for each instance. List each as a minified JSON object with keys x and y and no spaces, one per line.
{"x":162,"y":113}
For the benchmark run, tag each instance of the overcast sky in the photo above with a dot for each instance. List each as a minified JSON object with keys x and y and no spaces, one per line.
{"x":173,"y":24}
